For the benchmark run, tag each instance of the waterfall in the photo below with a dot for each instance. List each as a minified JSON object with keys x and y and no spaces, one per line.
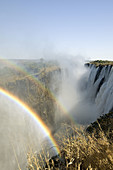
{"x":100,"y":88}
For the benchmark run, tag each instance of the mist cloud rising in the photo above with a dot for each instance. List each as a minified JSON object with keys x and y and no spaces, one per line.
{"x":73,"y":92}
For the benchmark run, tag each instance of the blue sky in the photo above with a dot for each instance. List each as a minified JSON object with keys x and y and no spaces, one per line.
{"x":39,"y":28}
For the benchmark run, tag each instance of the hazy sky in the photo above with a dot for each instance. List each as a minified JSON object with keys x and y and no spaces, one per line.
{"x":37,"y":28}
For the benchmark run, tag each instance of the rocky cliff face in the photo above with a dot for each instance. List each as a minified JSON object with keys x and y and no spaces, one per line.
{"x":32,"y":82}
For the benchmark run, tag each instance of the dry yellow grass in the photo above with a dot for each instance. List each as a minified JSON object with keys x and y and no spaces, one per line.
{"x":79,"y":151}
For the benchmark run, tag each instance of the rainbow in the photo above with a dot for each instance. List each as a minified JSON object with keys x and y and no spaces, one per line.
{"x":32,"y":78}
{"x":35,"y":116}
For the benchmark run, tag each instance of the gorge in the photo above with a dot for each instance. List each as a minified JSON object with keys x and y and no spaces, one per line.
{"x":58,"y":92}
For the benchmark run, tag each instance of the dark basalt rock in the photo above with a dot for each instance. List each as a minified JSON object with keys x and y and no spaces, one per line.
{"x":98,"y":73}
{"x":105,"y":124}
{"x":110,"y":68}
{"x":100,"y":84}
{"x":87,"y":64}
